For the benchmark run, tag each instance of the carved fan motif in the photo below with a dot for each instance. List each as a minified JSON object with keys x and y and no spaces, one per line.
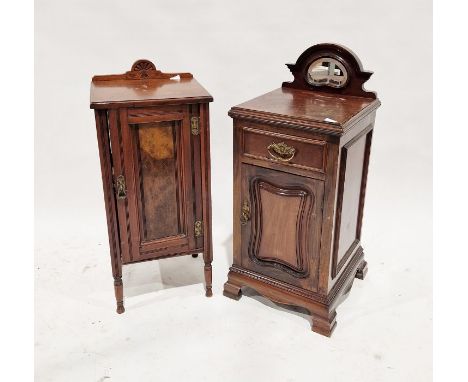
{"x":143,"y":65}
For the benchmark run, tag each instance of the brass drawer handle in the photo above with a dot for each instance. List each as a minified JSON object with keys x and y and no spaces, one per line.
{"x":281,"y":151}
{"x":245,"y":213}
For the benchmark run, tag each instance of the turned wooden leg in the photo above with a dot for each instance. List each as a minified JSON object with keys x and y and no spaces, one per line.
{"x":208,"y":258}
{"x":324,"y":325}
{"x":232,"y":291}
{"x":194,"y":255}
{"x":118,"y":288}
{"x":362,"y":270}
{"x":208,"y":280}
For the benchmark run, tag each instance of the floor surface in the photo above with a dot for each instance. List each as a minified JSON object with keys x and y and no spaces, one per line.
{"x":172,"y":332}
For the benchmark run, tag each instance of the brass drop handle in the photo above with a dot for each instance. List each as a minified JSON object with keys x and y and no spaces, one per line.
{"x":120,"y":187}
{"x":245,"y":212}
{"x":281,"y":151}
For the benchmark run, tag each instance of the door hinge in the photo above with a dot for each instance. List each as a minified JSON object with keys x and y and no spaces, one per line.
{"x":120,"y":187}
{"x":198,"y":228}
{"x":195,"y":125}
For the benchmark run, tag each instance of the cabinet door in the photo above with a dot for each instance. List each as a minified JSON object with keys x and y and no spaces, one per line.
{"x":156,"y":149}
{"x":281,"y":219}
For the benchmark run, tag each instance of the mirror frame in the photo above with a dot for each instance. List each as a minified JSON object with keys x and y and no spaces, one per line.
{"x":356,"y":75}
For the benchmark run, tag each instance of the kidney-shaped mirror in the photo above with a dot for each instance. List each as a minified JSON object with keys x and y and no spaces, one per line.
{"x":327,"y":71}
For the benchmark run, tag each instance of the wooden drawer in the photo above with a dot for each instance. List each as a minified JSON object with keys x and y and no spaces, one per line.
{"x":289,"y":150}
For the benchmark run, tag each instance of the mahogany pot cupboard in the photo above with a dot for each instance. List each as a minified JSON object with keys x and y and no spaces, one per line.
{"x":154,"y":147}
{"x":301,"y":154}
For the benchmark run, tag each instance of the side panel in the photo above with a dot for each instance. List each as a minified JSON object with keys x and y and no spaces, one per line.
{"x":105,"y":154}
{"x":354,"y":161}
{"x":118,"y":161}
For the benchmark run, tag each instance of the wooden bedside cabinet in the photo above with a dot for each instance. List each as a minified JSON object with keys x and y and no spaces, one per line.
{"x":301,"y":154}
{"x":154,"y":147}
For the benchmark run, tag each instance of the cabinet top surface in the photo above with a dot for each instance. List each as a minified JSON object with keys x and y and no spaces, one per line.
{"x":125,"y":91}
{"x":145,"y":85}
{"x":306,"y":105}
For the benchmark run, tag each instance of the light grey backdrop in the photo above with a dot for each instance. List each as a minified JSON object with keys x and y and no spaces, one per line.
{"x":237,"y":50}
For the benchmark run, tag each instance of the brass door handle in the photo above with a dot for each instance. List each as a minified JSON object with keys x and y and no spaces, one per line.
{"x":281,"y":151}
{"x":245,"y":212}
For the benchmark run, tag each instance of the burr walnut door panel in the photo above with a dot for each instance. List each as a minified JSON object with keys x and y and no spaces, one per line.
{"x":157,"y":156}
{"x":281,"y":220}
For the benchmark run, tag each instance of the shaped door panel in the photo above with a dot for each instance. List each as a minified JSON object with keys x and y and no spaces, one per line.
{"x":282,"y":216}
{"x":159,"y":214}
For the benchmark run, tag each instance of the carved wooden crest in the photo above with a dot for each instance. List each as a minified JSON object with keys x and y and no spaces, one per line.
{"x":329,"y":68}
{"x":142,"y":70}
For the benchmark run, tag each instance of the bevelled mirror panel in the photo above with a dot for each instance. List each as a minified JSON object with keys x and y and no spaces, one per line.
{"x":327,"y":71}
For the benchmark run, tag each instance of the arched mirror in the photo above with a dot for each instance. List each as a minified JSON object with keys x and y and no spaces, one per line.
{"x":327,"y":71}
